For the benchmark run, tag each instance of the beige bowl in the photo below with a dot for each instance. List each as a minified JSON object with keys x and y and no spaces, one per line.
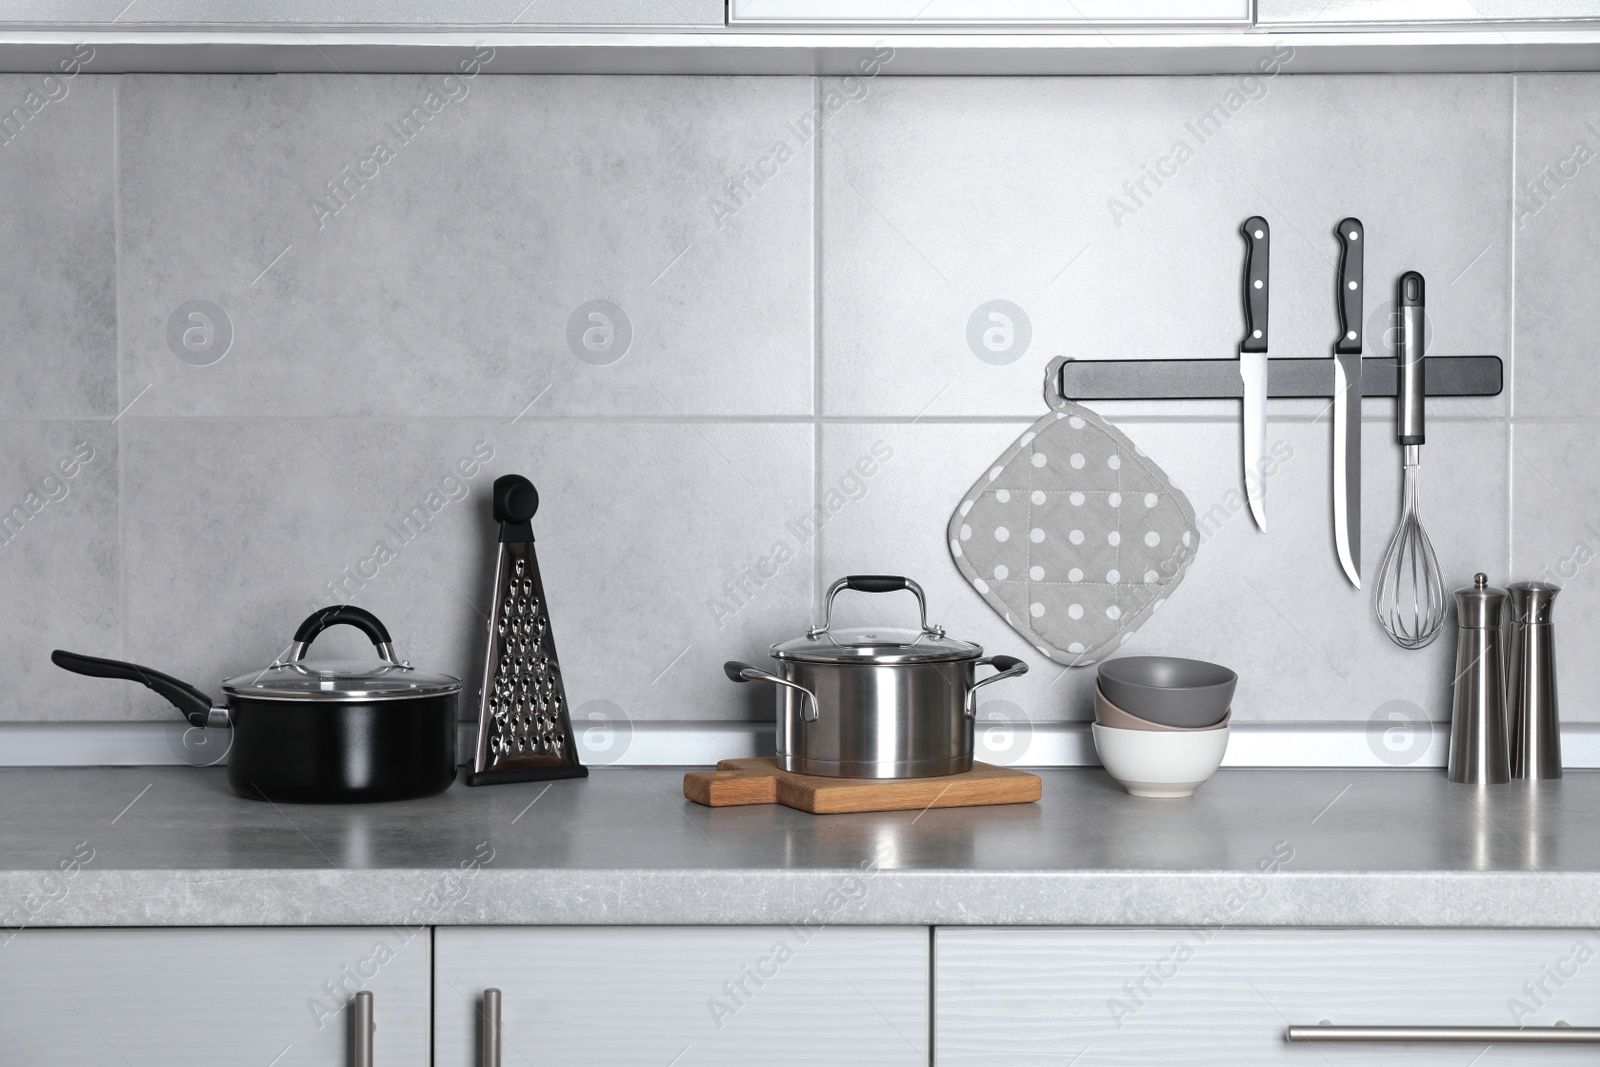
{"x":1108,"y":714}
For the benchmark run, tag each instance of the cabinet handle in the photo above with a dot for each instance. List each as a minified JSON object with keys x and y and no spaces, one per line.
{"x":489,"y":1028}
{"x":361,"y":1027}
{"x":1439,"y":1035}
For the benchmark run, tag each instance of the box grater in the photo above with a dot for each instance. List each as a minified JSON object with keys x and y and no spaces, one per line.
{"x":524,"y":730}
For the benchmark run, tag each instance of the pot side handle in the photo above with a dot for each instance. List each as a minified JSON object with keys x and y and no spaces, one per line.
{"x":195,"y":705}
{"x":1008,"y":666}
{"x":743,"y":672}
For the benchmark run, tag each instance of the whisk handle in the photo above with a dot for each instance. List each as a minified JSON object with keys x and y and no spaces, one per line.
{"x":1413,"y":329}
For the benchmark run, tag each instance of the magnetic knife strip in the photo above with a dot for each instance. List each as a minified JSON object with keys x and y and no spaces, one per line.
{"x":1211,"y":379}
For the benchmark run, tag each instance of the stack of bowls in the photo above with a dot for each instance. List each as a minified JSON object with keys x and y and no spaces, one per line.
{"x":1161,"y":723}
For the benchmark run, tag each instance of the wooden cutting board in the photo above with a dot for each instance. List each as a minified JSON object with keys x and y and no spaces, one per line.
{"x":760,"y":781}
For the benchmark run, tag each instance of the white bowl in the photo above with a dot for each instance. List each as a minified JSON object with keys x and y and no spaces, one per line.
{"x":1148,"y":763}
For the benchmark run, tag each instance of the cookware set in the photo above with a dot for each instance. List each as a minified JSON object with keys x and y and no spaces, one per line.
{"x":338,"y":731}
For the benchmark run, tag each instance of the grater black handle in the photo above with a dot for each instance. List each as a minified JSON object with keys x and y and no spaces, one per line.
{"x":515,"y":501}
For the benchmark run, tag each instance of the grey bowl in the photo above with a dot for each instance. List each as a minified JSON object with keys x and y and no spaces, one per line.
{"x":1187,"y":693}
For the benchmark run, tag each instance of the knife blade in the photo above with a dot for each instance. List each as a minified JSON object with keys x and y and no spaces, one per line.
{"x":1347,"y":402}
{"x":1253,"y":362}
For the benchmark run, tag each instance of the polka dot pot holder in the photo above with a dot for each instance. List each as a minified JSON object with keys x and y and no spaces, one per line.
{"x":1073,"y":535}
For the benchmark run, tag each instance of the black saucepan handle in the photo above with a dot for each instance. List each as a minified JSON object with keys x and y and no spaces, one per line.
{"x":345,"y":615}
{"x":515,"y":501}
{"x":875,"y":583}
{"x":195,"y":705}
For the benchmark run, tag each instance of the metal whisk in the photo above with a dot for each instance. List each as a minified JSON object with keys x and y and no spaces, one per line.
{"x":1410,"y":599}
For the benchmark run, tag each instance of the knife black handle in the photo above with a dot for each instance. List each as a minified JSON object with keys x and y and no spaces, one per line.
{"x":1257,"y":250}
{"x":1351,"y":284}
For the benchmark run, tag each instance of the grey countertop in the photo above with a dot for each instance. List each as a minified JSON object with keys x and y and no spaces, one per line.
{"x":172,"y":846}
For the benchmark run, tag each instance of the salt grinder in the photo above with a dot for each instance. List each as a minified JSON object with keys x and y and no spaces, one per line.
{"x":1531,"y":685}
{"x":1478,"y":753}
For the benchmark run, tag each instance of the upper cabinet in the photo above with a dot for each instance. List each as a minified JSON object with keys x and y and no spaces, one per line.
{"x":364,"y":14}
{"x":1298,"y":14}
{"x":924,"y":14}
{"x":847,"y":38}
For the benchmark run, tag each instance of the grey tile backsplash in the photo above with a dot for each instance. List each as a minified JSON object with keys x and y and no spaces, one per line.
{"x":268,"y":324}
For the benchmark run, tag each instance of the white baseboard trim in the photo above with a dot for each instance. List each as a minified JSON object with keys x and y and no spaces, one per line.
{"x":700,"y":743}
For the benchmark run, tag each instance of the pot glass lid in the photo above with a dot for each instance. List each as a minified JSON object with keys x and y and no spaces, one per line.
{"x":876,"y":644}
{"x":336,"y":680}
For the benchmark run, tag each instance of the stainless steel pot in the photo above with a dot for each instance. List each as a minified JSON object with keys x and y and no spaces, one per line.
{"x":876,"y":702}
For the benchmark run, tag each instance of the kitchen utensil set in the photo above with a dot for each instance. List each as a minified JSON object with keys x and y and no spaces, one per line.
{"x":1413,"y":606}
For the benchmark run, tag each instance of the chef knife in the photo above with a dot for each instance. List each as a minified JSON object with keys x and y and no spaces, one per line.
{"x":1253,"y":363}
{"x":1347,"y":404}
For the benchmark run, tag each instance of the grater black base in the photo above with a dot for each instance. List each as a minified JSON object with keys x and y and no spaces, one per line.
{"x":528,"y":774}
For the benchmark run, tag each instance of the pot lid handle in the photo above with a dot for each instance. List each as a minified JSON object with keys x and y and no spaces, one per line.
{"x":343,"y":615}
{"x":874,"y":583}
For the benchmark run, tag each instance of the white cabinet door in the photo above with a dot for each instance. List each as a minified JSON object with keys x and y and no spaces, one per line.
{"x":1298,"y":14}
{"x":686,"y":996}
{"x":1131,"y":998}
{"x":213,"y":997}
{"x":363,"y":14}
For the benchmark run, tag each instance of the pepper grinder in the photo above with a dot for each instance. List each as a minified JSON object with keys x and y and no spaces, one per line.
{"x":1531,"y":686}
{"x":1478,"y":717}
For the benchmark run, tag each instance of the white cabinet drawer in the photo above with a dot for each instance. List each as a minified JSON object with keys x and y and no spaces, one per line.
{"x":245,"y":997}
{"x":687,"y":996}
{"x":1128,"y":998}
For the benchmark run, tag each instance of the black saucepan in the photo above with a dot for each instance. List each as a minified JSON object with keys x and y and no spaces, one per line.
{"x":321,"y":731}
